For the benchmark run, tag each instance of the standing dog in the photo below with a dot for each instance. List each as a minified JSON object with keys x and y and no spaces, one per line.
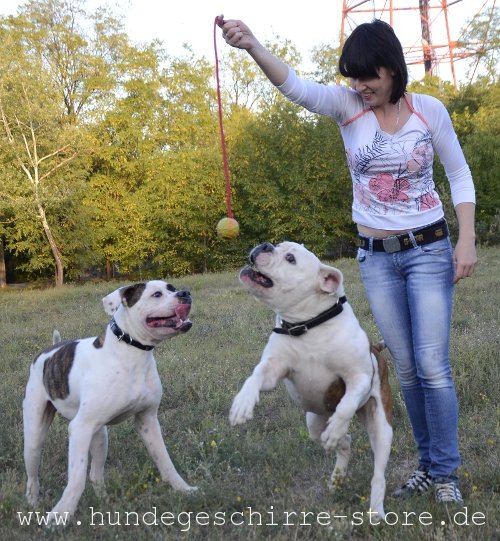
{"x":94,"y":382}
{"x":324,"y":357}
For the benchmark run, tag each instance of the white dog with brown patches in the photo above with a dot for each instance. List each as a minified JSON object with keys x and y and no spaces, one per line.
{"x":324,"y":357}
{"x":94,"y":382}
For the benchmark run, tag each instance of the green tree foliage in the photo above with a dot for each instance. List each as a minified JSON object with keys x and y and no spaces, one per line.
{"x":159,"y":146}
{"x":481,"y":36}
{"x":37,"y":146}
{"x":326,"y":60}
{"x":127,"y":141}
{"x":481,"y":149}
{"x":86,"y":54}
{"x":111,"y":161}
{"x":61,"y":71}
{"x":291,"y":179}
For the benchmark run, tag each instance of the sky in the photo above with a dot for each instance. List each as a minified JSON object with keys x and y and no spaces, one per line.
{"x":306,"y":25}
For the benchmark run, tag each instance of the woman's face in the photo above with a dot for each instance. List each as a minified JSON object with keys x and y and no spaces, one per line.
{"x":375,"y":91}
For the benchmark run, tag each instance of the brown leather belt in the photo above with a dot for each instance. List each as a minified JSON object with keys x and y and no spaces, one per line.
{"x":397,"y":243}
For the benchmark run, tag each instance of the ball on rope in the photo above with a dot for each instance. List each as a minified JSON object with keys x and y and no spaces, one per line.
{"x":228,"y":228}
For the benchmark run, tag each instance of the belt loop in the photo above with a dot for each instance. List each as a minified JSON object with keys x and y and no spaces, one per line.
{"x":412,"y":238}
{"x":370,"y":245}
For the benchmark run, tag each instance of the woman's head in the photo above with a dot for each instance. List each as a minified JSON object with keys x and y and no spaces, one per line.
{"x":372,"y":46}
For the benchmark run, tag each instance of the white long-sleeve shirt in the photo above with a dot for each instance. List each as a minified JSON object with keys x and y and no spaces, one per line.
{"x":393,"y":186}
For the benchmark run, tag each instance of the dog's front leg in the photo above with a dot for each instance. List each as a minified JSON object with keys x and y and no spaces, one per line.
{"x":149,"y":429}
{"x":357,"y":393}
{"x":266,"y":375}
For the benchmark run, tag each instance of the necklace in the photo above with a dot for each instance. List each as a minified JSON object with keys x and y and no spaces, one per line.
{"x":399,"y":112}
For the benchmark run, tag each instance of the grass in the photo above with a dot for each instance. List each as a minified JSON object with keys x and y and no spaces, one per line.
{"x":267,"y":466}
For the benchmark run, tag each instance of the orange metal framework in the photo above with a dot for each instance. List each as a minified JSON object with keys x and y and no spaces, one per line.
{"x":425,"y":52}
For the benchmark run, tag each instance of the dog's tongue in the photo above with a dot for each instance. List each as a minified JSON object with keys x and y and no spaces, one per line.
{"x":182,"y":311}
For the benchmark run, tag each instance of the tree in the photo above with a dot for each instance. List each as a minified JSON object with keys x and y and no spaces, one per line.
{"x":3,"y":270}
{"x":481,"y":36}
{"x":292,"y":179}
{"x":85,"y":54}
{"x":186,"y":191}
{"x":326,"y":60}
{"x":57,"y":75}
{"x":38,"y":144}
{"x":243,"y":82}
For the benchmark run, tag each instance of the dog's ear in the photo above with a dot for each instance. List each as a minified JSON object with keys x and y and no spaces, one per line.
{"x":112,"y":301}
{"x":131,"y":294}
{"x":330,"y":279}
{"x":127,"y":295}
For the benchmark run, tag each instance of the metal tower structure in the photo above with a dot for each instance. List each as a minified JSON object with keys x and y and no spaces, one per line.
{"x":422,"y":26}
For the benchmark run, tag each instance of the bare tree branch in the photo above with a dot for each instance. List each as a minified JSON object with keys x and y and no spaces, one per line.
{"x":60,"y":164}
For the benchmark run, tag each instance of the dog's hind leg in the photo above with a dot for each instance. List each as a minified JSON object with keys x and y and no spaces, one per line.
{"x":38,"y":414}
{"x":99,"y":453}
{"x":316,"y":424}
{"x":373,"y":416}
{"x":343,"y":451}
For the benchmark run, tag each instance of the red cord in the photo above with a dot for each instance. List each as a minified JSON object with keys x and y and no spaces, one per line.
{"x":221,"y":127}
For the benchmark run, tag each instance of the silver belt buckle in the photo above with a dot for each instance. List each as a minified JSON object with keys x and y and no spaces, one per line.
{"x":391,"y":244}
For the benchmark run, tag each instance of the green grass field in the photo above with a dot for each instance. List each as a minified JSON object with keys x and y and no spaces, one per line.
{"x":264,"y":480}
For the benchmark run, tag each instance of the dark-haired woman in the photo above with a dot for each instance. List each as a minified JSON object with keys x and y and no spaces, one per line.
{"x":405,"y":256}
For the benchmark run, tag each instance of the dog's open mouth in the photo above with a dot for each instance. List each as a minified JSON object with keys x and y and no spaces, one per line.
{"x":251,"y":273}
{"x":178,"y":321}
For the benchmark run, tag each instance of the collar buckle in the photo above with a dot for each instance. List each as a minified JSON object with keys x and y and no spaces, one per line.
{"x":123,"y":336}
{"x":119,"y":333}
{"x":296,"y":330}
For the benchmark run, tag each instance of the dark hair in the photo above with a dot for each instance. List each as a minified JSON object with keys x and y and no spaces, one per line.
{"x":372,"y":46}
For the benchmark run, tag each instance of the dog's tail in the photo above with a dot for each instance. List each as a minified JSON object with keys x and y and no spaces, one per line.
{"x":383,"y":373}
{"x":379,"y":347}
{"x":56,"y":337}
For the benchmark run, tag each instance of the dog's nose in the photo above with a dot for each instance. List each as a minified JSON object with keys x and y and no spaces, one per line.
{"x":265,"y":247}
{"x":184,"y":295}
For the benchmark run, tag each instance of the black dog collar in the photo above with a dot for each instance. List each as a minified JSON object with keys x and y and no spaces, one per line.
{"x":126,"y":337}
{"x":297,"y":329}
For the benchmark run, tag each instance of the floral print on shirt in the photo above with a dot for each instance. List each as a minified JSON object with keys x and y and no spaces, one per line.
{"x":394,"y":174}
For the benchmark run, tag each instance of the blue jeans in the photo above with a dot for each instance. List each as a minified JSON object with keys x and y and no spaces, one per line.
{"x":411,"y":298}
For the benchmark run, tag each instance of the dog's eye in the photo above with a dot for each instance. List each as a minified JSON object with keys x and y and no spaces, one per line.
{"x":290,"y":258}
{"x":157,"y":294}
{"x":171,"y":288}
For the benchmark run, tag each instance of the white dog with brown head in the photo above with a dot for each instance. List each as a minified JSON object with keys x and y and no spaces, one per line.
{"x":323,"y":355}
{"x":103,"y":380}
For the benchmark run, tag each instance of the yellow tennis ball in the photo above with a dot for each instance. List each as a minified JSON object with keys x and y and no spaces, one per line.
{"x":228,"y":228}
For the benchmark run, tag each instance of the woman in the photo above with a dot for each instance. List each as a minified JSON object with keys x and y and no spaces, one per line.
{"x":405,"y":256}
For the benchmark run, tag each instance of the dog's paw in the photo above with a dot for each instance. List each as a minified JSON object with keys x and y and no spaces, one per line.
{"x":330,"y":438}
{"x":100,"y":490}
{"x":239,"y":416}
{"x":55,"y":519}
{"x":377,"y":515}
{"x":32,"y":499}
{"x":335,"y":434}
{"x":182,"y":486}
{"x":32,"y":492}
{"x":244,"y":403}
{"x":337,"y":480}
{"x":241,"y":410}
{"x":187,"y":489}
